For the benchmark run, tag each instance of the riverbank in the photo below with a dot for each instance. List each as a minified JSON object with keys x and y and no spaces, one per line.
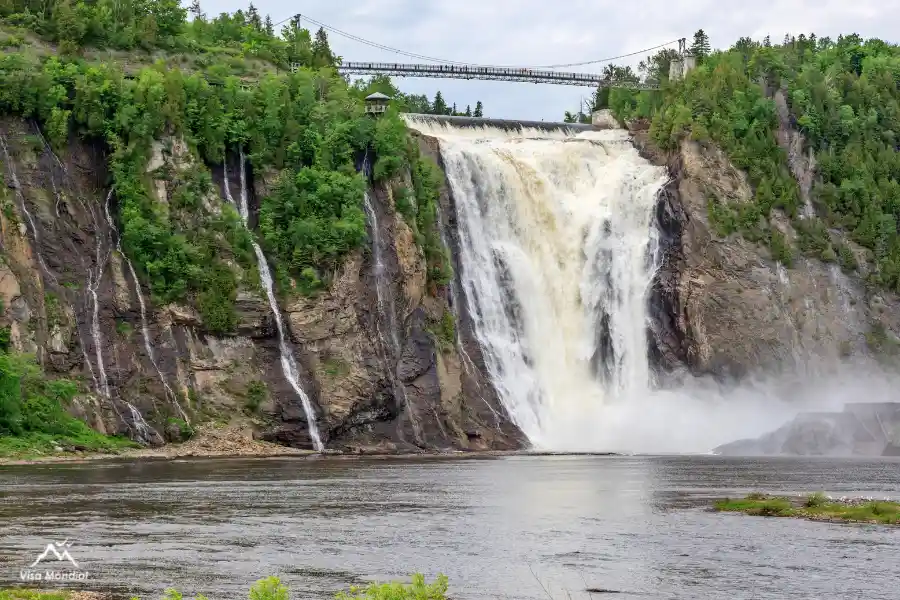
{"x":237,"y":441}
{"x":31,"y":594}
{"x":209,"y":440}
{"x":269,"y":588}
{"x":816,"y":507}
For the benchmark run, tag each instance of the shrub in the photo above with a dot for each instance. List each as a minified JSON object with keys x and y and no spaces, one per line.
{"x":417,"y":590}
{"x":815,"y":500}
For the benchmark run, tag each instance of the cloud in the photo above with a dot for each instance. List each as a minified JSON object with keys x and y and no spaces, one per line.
{"x":538,"y":32}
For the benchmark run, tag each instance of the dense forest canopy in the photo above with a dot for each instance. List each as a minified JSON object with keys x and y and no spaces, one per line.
{"x":842,"y":94}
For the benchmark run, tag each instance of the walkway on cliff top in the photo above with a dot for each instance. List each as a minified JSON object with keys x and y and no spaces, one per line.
{"x":488,"y":73}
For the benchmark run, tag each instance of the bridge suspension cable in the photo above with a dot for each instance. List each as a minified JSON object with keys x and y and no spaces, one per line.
{"x":461,"y":63}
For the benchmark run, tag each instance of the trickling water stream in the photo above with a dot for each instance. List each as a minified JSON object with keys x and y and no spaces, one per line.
{"x":386,"y":310}
{"x":557,"y":249}
{"x":145,"y":331}
{"x":288,"y":362}
{"x":93,"y":283}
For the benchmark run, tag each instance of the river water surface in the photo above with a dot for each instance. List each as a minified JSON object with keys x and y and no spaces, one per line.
{"x":518,"y":527}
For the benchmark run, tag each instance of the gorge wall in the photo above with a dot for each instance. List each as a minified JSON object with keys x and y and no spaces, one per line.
{"x":369,"y":353}
{"x":724,"y":306}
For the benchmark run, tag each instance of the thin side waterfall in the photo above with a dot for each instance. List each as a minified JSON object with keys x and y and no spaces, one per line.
{"x":288,"y":363}
{"x":382,"y":285}
{"x":93,"y":284}
{"x":142,"y":430}
{"x":386,"y":309}
{"x":145,"y":330}
{"x":23,"y":206}
{"x":557,"y":254}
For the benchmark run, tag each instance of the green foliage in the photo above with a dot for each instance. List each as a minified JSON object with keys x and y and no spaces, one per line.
{"x":417,"y":590}
{"x":256,"y":395}
{"x":780,"y":248}
{"x":185,"y":432}
{"x":882,"y":342}
{"x":312,"y":219}
{"x":444,"y":331}
{"x":841,"y":94}
{"x":33,"y":418}
{"x":269,"y":588}
{"x":815,"y":506}
{"x":335,"y":367}
{"x":427,"y":180}
{"x":124,"y":329}
{"x":814,"y":500}
{"x":27,"y":594}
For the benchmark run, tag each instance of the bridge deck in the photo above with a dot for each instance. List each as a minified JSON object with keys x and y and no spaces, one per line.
{"x":489,"y":73}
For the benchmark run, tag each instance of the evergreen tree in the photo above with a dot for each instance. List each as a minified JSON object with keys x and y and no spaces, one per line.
{"x":253,"y":18}
{"x":438,"y":107}
{"x":700,"y":48}
{"x":479,"y":110}
{"x":196,"y":10}
{"x":321,"y":51}
{"x":270,"y":28}
{"x":453,"y":111}
{"x":468,"y":110}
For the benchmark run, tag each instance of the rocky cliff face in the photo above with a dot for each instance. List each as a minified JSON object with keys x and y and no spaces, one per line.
{"x":725,"y":307}
{"x":376,"y":372}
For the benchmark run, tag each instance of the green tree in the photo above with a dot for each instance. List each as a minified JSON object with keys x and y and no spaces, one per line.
{"x":439,"y":106}
{"x":479,"y":110}
{"x":321,"y":51}
{"x":700,"y":48}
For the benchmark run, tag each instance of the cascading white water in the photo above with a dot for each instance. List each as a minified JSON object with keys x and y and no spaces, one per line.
{"x":383,"y":296}
{"x":142,"y":430}
{"x":145,"y":330}
{"x":288,"y":363}
{"x":23,"y":206}
{"x":386,"y":309}
{"x":93,"y":284}
{"x":557,"y":252}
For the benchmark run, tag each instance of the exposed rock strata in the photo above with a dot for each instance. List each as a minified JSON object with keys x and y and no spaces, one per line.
{"x":724,"y":307}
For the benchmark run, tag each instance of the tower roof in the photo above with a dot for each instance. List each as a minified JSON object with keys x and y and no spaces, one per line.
{"x":377,"y":96}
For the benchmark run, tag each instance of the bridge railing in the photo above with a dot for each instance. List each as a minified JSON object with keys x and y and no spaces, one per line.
{"x":490,"y":73}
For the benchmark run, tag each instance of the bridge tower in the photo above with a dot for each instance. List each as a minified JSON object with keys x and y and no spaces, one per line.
{"x":684,"y":64}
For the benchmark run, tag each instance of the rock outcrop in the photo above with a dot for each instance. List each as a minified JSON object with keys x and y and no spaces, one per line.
{"x":723,"y":306}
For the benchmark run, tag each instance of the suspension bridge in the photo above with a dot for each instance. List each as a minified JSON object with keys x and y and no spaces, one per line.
{"x":524,"y":75}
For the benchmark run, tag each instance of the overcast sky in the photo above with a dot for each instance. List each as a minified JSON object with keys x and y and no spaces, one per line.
{"x":541,"y":32}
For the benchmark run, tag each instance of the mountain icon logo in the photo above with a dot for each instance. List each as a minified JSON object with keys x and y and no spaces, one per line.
{"x":60,"y":551}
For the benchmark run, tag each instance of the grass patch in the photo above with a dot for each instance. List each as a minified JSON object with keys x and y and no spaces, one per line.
{"x":37,"y":445}
{"x":417,"y":590}
{"x":335,"y":368}
{"x":271,"y":588}
{"x":23,"y":594}
{"x":815,"y":506}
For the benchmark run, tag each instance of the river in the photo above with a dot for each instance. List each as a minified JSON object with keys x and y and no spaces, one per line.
{"x":506,"y":527}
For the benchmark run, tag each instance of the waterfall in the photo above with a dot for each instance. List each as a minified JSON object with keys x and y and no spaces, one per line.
{"x":142,"y":430}
{"x":386,"y":310}
{"x":93,"y":283}
{"x":23,"y":206}
{"x":382,"y":286}
{"x":557,"y":253}
{"x":145,"y":330}
{"x":288,"y":363}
